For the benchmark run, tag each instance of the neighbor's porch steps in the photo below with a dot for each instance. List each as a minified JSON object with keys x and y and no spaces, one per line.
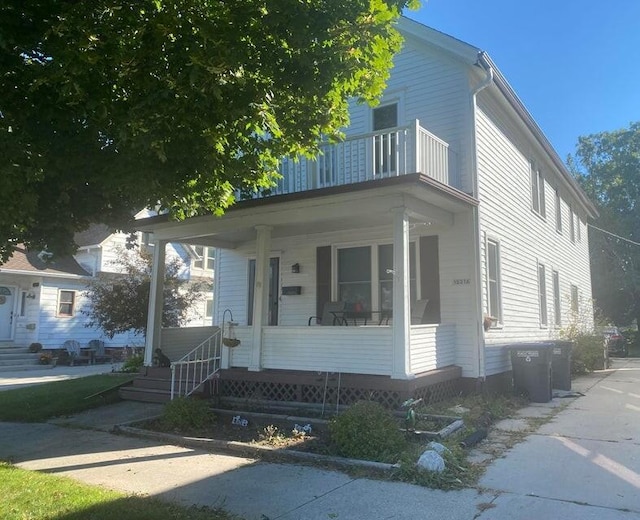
{"x":151,"y":385}
{"x":19,"y":358}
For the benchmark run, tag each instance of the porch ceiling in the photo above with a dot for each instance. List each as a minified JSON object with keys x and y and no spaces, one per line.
{"x":363,"y":205}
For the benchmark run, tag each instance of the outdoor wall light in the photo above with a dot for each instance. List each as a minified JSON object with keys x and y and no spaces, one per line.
{"x":31,"y":295}
{"x":295,"y":268}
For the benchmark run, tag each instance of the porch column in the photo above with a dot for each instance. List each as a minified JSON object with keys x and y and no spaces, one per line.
{"x":156,"y":301}
{"x":401,"y":299}
{"x":260,"y":294}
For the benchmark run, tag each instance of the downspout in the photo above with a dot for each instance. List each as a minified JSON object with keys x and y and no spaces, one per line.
{"x":488,"y":80}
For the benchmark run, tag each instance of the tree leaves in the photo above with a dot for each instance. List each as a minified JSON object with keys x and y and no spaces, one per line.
{"x":110,"y":106}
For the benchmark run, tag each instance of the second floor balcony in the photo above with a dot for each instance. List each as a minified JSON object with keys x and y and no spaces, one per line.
{"x":386,"y":153}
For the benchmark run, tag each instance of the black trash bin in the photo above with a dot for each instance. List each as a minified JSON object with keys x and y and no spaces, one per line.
{"x":531,"y":364}
{"x":561,"y":365}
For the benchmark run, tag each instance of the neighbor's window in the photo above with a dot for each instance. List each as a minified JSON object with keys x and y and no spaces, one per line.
{"x":557,"y":311}
{"x":537,"y":191}
{"x":206,"y":257}
{"x":578,"y":232}
{"x":574,"y":299}
{"x":494,"y":297}
{"x":558,"y":213}
{"x":66,"y":303}
{"x":209,"y":309}
{"x":542,"y":293}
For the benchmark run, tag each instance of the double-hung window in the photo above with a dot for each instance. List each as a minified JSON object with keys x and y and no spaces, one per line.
{"x":206,"y":257}
{"x":542,"y":291}
{"x":572,"y":224}
{"x":494,"y":298}
{"x":574,"y":300}
{"x":557,"y":310}
{"x":365,"y":277}
{"x":66,"y":303}
{"x":537,"y":191}
{"x":558,"y":212}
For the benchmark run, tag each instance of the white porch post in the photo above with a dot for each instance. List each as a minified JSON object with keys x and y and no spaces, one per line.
{"x":156,"y":301}
{"x":401,"y":299}
{"x":260,"y":294}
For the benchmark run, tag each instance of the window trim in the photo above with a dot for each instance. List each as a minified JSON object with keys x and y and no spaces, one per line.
{"x":498,"y":282}
{"x":71,"y":313}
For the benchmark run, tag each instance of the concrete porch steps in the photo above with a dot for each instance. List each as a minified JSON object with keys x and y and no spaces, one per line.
{"x":18,"y":358}
{"x":152,"y":385}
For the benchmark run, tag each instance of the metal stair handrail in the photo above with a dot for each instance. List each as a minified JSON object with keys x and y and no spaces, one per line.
{"x":193,"y":369}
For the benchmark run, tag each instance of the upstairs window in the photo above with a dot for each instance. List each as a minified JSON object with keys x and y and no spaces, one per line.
{"x":572,"y":224}
{"x":66,"y":303}
{"x":494,"y":297}
{"x":537,"y":191}
{"x":558,"y":213}
{"x":206,"y":257}
{"x":557,"y":311}
{"x":542,"y":293}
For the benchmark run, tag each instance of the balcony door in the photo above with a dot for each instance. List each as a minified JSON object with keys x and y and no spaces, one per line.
{"x":385,"y":145}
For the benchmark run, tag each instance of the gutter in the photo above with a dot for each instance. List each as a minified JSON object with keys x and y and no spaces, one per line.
{"x":488,"y":80}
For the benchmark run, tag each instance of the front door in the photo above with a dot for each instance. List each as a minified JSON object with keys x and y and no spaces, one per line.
{"x":7,"y":298}
{"x":274,"y":293}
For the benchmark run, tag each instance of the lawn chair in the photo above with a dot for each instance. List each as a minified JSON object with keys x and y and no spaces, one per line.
{"x":99,"y":354}
{"x":332,"y":314}
{"x":75,"y":353}
{"x":417,"y":311}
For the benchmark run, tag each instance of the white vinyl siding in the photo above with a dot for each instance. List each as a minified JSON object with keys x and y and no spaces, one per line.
{"x":505,"y":211}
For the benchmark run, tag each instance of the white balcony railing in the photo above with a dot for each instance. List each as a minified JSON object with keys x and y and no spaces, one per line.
{"x":386,"y":153}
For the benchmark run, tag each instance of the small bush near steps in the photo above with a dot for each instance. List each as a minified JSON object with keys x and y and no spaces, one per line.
{"x":185,"y":413}
{"x":367,"y":431}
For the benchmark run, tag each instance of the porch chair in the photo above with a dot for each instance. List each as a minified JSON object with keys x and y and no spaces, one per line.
{"x":75,"y":353}
{"x":99,"y":354}
{"x":328,"y":317}
{"x":417,"y":311}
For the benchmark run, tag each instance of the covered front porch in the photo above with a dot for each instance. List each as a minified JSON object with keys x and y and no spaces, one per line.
{"x":378,"y":247}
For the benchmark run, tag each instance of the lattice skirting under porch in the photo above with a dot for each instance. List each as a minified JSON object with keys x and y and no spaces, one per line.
{"x":336,"y":389}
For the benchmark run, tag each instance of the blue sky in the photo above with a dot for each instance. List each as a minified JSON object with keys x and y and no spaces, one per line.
{"x":574,"y":64}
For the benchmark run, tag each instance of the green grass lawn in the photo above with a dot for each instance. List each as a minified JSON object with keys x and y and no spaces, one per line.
{"x":42,"y":402}
{"x":30,"y":495}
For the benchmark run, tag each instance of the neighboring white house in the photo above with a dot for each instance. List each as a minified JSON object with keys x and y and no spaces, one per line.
{"x":43,"y":301}
{"x":447,"y":191}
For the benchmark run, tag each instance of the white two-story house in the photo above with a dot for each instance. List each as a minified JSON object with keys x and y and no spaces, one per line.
{"x":441,"y":229}
{"x":43,"y":299}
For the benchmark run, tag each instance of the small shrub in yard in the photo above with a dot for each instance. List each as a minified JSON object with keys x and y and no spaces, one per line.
{"x":133,"y":364}
{"x":186,"y":413}
{"x":587,"y":354}
{"x":367,"y":431}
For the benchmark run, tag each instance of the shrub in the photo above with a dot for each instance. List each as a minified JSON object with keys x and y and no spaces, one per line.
{"x":133,"y":364}
{"x":587,"y":354}
{"x":184,"y":413}
{"x":367,"y":431}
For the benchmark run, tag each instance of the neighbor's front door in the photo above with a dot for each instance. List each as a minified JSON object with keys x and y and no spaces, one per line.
{"x":7,"y":296}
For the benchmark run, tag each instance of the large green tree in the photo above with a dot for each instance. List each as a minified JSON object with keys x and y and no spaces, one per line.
{"x":108,"y":106}
{"x":608,"y":167}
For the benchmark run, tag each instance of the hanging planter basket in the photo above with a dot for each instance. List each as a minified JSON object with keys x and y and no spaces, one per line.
{"x":230,"y":342}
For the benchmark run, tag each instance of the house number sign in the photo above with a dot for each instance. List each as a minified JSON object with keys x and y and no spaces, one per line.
{"x":462,"y":281}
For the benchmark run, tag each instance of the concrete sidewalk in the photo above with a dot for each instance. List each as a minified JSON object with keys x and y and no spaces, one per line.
{"x":584,"y":464}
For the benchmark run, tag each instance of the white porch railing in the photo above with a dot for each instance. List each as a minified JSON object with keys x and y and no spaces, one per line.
{"x":387,"y":153}
{"x":196,"y":367}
